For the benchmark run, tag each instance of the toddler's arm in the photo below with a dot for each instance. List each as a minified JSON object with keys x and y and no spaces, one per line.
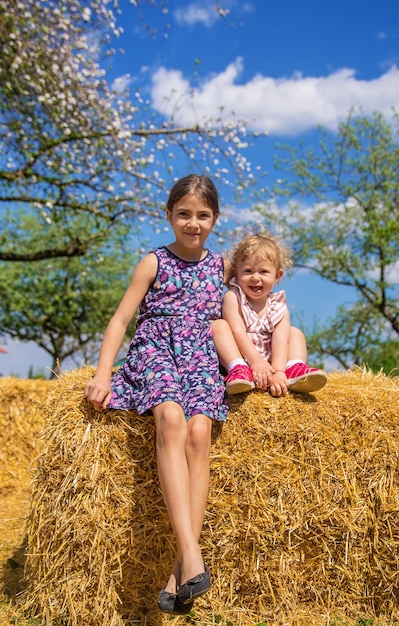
{"x":261,"y":369}
{"x":98,"y":390}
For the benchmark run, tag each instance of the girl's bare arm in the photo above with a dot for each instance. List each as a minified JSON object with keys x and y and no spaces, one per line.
{"x":98,"y":390}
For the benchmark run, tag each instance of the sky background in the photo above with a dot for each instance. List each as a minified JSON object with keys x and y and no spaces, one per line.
{"x":286,"y":66}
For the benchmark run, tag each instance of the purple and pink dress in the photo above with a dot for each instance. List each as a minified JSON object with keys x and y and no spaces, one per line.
{"x":172,"y":356}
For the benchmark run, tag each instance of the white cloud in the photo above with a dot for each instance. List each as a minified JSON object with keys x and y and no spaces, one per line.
{"x":247,"y":7}
{"x":208,"y":12}
{"x":284,"y":106}
{"x":121,"y":83}
{"x":197,"y":13}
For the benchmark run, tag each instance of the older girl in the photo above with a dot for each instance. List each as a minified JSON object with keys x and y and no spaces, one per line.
{"x":172,"y":370}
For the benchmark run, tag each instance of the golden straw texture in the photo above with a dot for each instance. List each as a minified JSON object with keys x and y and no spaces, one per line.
{"x":22,"y":417}
{"x":302,"y":522}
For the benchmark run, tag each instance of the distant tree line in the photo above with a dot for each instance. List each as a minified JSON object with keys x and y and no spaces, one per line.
{"x":339,"y":210}
{"x":82,"y":167}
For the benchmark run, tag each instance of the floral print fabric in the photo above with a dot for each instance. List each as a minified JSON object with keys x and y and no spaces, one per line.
{"x":172,"y":355}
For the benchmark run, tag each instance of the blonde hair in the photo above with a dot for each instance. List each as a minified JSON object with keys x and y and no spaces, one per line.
{"x":261,"y":245}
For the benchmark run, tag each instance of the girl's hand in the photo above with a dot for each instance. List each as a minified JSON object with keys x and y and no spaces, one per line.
{"x":278,"y":384}
{"x":98,"y":392}
{"x":261,"y":373}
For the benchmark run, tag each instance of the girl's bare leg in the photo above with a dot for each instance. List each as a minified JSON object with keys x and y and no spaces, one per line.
{"x":176,"y":443}
{"x":197,"y":453}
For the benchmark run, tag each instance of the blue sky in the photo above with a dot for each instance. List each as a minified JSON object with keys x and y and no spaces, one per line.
{"x":286,"y":66}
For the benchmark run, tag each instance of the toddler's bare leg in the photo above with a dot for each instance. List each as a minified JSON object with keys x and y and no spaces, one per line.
{"x":297,"y":345}
{"x":224,"y":341}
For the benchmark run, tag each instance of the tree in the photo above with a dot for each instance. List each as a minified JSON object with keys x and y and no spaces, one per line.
{"x":347,"y":228}
{"x":73,"y":150}
{"x":358,"y":335}
{"x":63,"y":305}
{"x":78,"y":160}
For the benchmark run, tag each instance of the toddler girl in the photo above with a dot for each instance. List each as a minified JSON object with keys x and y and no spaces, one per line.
{"x":259,"y":318}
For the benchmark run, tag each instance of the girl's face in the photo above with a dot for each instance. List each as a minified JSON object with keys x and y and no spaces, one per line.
{"x":192,"y":221}
{"x":257,"y":277}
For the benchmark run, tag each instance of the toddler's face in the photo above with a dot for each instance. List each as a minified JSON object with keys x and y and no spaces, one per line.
{"x":257,"y":277}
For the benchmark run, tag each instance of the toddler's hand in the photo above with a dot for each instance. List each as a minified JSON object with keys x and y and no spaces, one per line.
{"x":278,"y":385}
{"x":98,"y":392}
{"x":261,"y":373}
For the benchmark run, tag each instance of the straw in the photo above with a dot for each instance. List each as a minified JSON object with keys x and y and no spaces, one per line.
{"x":302,"y":522}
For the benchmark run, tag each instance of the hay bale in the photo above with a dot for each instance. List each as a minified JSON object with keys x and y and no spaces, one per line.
{"x":302,"y":521}
{"x":21,"y":419}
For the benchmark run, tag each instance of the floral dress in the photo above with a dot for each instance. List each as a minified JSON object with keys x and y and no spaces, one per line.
{"x":172,"y":356}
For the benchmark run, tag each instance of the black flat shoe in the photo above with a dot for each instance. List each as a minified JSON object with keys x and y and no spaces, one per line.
{"x":195,"y":587}
{"x":169,"y":602}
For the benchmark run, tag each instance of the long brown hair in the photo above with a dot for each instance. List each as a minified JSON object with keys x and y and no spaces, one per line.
{"x":194,"y":185}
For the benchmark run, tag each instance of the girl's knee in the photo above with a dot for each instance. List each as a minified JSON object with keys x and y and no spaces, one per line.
{"x":199,"y":435}
{"x":170,"y":423}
